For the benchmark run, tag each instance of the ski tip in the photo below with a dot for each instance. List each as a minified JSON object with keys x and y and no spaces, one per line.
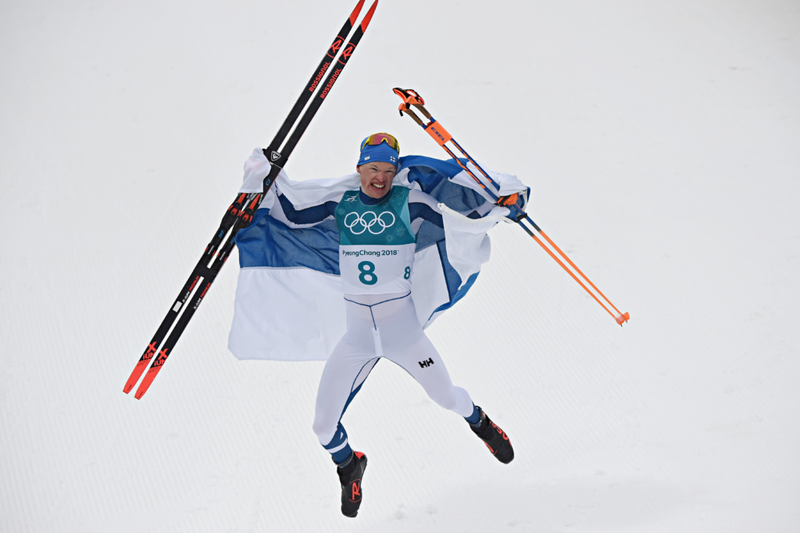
{"x":368,"y":16}
{"x":131,"y":383}
{"x":624,"y":317}
{"x":146,"y":382}
{"x":356,"y":11}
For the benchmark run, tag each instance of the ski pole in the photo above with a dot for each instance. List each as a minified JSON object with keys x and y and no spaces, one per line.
{"x":442,"y":137}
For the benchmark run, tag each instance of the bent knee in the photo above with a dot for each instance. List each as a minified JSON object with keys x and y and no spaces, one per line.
{"x":325,"y":428}
{"x":453,"y":399}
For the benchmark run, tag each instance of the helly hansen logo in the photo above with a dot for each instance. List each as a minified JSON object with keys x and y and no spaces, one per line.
{"x":425,"y":364}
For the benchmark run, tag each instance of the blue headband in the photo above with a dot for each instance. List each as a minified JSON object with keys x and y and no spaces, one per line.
{"x":380,"y":153}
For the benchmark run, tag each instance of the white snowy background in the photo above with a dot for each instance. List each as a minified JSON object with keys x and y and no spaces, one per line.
{"x":662,"y":144}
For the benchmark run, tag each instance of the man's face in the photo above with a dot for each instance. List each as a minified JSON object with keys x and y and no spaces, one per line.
{"x":376,"y":178}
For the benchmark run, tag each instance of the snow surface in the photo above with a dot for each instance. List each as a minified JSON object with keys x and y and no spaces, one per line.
{"x":662,"y":143}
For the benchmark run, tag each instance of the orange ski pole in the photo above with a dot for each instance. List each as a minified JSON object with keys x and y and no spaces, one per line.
{"x":442,"y":137}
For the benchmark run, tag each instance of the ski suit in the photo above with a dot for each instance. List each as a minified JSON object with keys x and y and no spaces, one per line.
{"x":376,"y":258}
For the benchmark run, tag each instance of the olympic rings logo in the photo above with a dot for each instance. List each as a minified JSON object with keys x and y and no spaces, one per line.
{"x":358,"y":224}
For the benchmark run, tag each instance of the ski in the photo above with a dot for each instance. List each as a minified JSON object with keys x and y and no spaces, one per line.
{"x":208,"y":273}
{"x":443,"y":138}
{"x":274,"y":153}
{"x":241,"y":211}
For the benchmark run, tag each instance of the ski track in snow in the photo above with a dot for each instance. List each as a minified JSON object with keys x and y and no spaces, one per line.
{"x":661,"y":143}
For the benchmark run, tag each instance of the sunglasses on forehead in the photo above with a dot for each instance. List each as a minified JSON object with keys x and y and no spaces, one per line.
{"x":377,"y":138}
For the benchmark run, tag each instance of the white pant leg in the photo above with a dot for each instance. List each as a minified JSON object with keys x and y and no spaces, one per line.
{"x":348,"y":366}
{"x":405,"y":343}
{"x":424,"y":363}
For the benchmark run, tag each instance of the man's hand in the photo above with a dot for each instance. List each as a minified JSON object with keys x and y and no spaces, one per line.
{"x":507,"y":201}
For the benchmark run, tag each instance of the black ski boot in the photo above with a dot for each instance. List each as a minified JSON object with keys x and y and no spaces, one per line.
{"x":494,"y":438}
{"x":350,"y":477}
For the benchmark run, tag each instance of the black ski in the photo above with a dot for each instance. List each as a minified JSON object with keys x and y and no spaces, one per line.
{"x":241,"y":211}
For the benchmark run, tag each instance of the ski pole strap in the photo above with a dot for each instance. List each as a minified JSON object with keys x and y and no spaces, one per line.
{"x":410,"y":97}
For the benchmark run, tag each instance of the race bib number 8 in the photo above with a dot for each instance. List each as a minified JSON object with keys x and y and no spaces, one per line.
{"x":376,"y":269}
{"x":367,"y":276}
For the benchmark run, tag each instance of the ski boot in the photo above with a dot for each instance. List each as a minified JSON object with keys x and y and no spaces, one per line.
{"x":350,"y":477}
{"x":494,"y":438}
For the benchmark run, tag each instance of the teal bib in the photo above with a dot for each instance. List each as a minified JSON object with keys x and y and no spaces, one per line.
{"x":376,"y":244}
{"x":387,"y":222}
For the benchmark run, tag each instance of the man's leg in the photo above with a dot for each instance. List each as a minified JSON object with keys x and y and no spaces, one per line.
{"x":345,"y":372}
